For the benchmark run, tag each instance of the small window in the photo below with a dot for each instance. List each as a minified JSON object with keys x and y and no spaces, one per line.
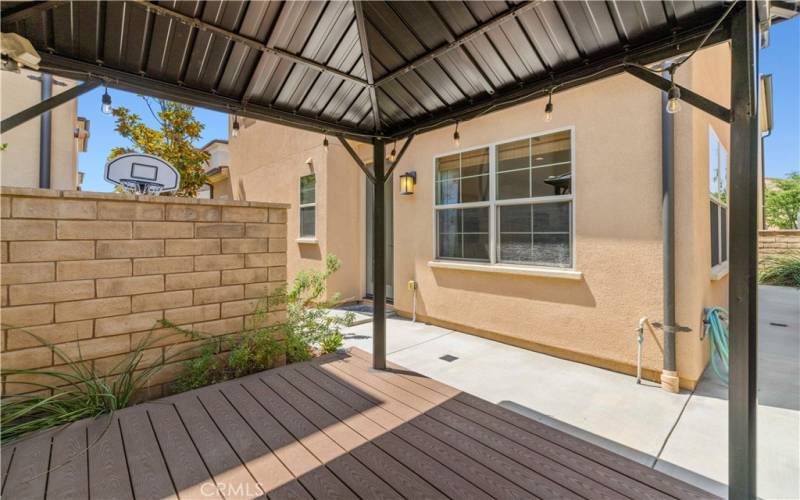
{"x":308,"y":206}
{"x":718,"y":193}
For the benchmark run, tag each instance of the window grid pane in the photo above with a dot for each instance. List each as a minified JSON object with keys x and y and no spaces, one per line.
{"x":536,"y":234}
{"x":308,"y":185}
{"x":463,"y":233}
{"x":463,"y":177}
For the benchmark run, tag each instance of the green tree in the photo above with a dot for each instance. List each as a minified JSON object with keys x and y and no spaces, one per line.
{"x":171,"y":142}
{"x":782,"y":202}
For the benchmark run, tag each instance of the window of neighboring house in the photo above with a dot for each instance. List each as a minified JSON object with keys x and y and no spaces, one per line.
{"x":507,"y":203}
{"x":308,"y":206}
{"x":718,"y":205}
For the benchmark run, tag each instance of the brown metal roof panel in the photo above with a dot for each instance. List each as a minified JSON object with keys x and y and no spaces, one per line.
{"x":403,"y":98}
{"x":590,"y":25}
{"x":341,"y":101}
{"x":390,"y":111}
{"x":64,"y":38}
{"x":360,"y":108}
{"x":347,"y":56}
{"x":633,"y":18}
{"x":555,"y":29}
{"x":329,"y":32}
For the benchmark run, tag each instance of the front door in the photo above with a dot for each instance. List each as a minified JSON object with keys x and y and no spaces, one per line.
{"x":389,"y":252}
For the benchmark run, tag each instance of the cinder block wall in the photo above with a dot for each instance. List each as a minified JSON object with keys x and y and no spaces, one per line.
{"x":773,"y":241}
{"x":95,"y":272}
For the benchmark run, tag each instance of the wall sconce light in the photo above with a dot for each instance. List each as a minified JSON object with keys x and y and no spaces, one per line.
{"x":407,"y":182}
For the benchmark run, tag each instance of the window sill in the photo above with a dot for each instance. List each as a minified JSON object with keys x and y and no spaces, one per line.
{"x":508,"y":269}
{"x":307,"y":241}
{"x":719,"y":271}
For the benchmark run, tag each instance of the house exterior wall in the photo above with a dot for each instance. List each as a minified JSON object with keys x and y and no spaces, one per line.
{"x":617,"y":223}
{"x":94,"y":273}
{"x":19,"y":163}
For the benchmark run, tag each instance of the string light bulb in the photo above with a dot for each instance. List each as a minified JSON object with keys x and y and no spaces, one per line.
{"x":673,"y":94}
{"x":456,"y":137}
{"x":235,"y":127}
{"x":393,"y":153}
{"x":106,"y":103}
{"x":548,"y":108}
{"x":325,"y":143}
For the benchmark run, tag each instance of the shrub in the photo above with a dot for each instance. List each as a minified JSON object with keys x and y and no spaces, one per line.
{"x":781,"y":270}
{"x":75,"y":393}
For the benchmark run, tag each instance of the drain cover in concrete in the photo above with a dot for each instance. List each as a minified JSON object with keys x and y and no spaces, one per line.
{"x":449,"y":358}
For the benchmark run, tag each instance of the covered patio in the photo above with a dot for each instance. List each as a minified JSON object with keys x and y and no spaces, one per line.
{"x":380,"y":72}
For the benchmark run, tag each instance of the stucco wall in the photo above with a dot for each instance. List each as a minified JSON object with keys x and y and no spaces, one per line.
{"x":93,"y":274}
{"x":618,"y":233}
{"x":267,"y":161}
{"x":19,"y":163}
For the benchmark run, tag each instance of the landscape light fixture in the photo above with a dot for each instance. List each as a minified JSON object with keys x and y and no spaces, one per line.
{"x":393,"y":154}
{"x":235,"y":127}
{"x":674,"y":94}
{"x":456,"y":137}
{"x":548,"y":108}
{"x":407,"y":183}
{"x":106,"y":106}
{"x":325,"y":143}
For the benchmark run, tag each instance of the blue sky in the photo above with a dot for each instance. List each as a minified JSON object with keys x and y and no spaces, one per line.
{"x":104,"y":138}
{"x":781,"y":59}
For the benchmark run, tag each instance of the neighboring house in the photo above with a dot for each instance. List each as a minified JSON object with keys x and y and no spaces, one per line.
{"x":544,"y":235}
{"x":217,"y":170}
{"x":69,"y":134}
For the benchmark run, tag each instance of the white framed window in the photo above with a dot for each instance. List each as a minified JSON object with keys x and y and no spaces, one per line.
{"x":718,"y":198}
{"x":308,"y":206}
{"x":507,"y":203}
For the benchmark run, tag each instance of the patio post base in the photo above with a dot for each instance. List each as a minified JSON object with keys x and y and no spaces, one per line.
{"x":670,"y":381}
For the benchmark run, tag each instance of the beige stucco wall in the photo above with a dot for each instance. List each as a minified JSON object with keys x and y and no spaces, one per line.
{"x":618,"y":233}
{"x":19,"y":163}
{"x":266,"y":163}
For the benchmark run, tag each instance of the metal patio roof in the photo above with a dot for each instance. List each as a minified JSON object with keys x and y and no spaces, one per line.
{"x":303,"y":63}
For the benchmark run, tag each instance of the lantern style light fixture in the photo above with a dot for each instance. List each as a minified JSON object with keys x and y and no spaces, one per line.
{"x":408,"y":182}
{"x":106,"y":103}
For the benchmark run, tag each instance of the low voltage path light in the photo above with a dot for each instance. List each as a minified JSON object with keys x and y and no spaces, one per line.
{"x":408,"y":182}
{"x":106,"y":103}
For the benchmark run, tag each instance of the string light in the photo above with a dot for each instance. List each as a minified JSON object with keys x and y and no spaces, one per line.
{"x":674,"y":94}
{"x":456,"y":137}
{"x":325,"y":143}
{"x":548,"y":108}
{"x":393,"y":153}
{"x":235,"y":128}
{"x":106,"y":100}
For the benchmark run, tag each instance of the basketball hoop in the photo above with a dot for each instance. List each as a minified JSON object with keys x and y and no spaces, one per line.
{"x":142,"y":174}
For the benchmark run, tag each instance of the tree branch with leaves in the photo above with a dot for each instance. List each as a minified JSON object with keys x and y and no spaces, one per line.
{"x":782,"y":203}
{"x":171,"y":142}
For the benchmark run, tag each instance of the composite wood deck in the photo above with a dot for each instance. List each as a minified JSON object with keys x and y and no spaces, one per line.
{"x":330,"y":428}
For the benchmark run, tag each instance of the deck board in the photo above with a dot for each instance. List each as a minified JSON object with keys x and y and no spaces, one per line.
{"x":329,"y":428}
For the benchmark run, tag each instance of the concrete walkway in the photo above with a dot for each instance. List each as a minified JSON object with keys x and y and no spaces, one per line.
{"x":683,"y":434}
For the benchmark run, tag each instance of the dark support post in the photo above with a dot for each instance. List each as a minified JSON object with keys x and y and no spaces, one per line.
{"x":669,"y":376}
{"x":379,"y":260}
{"x":743,"y":291}
{"x":45,"y":133}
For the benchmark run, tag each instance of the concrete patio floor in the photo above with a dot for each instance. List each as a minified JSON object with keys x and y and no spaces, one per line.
{"x":682,"y":434}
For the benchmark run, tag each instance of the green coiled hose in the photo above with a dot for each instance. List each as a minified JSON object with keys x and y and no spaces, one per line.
{"x":717,"y":329}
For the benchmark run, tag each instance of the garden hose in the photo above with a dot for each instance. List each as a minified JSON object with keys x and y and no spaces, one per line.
{"x":716,"y":326}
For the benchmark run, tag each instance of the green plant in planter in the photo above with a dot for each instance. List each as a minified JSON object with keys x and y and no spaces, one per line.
{"x":77,"y":392}
{"x":308,"y":323}
{"x":781,"y":270}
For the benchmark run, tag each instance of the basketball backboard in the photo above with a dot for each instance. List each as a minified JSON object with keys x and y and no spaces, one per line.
{"x":142,"y":174}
